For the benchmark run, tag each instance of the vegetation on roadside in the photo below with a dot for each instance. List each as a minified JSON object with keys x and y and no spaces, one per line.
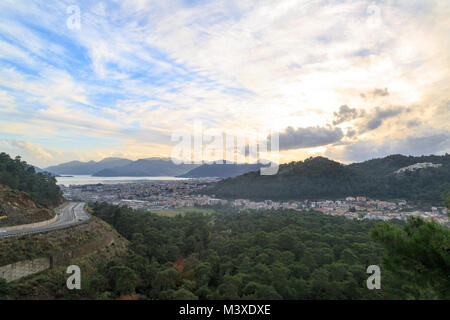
{"x":53,"y":243}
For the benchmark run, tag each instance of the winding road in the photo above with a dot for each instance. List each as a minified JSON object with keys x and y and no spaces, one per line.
{"x":68,"y":215}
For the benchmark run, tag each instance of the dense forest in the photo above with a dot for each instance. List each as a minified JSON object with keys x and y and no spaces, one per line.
{"x":321,"y":178}
{"x":19,"y":175}
{"x":269,"y":255}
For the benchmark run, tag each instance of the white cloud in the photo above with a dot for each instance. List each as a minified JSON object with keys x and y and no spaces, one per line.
{"x":146,"y":68}
{"x":26,"y":150}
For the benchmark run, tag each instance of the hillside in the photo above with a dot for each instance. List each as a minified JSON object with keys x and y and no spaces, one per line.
{"x":221,"y":170}
{"x":321,"y":178}
{"x":86,"y":245}
{"x":156,"y":167}
{"x":81,"y":168}
{"x":18,"y":208}
{"x":19,"y":175}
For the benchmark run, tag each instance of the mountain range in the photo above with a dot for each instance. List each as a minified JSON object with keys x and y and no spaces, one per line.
{"x":156,"y":167}
{"x":85,"y":168}
{"x":220,"y":170}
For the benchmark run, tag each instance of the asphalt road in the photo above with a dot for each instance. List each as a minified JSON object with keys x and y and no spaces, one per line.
{"x":70,"y":215}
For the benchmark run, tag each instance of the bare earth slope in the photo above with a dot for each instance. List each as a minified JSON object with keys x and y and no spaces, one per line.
{"x":18,"y":208}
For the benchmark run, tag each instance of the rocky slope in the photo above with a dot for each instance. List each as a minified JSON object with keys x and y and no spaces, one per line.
{"x":17,"y":208}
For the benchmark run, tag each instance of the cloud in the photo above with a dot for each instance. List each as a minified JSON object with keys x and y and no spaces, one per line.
{"x":413,"y":123}
{"x":28,"y":151}
{"x":367,"y":120}
{"x":138,"y":70}
{"x":381,"y":92}
{"x":376,"y":118}
{"x":346,"y":113}
{"x":375,"y":94}
{"x":309,"y":137}
{"x":350,"y":133}
{"x":417,"y":145}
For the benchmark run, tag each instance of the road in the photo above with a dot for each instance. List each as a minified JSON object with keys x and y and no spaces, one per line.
{"x":69,"y":215}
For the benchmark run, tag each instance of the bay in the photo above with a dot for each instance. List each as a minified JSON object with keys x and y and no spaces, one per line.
{"x":88,"y":179}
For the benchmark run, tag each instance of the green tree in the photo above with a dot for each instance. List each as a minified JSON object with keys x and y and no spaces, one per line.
{"x":418,"y":254}
{"x":123,"y":279}
{"x":4,"y":288}
{"x":203,"y":273}
{"x":184,"y":294}
{"x":265,"y":292}
{"x":166,"y":279}
{"x":229,"y":289}
{"x":17,"y":174}
{"x":446,"y":200}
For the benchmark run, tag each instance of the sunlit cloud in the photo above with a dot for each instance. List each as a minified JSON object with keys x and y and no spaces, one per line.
{"x":340,"y":75}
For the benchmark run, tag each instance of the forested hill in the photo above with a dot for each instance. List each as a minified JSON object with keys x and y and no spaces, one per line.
{"x":321,"y":178}
{"x":271,"y":255}
{"x":19,"y":175}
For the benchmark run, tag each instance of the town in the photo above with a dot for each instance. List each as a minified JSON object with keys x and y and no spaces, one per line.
{"x":165,"y":195}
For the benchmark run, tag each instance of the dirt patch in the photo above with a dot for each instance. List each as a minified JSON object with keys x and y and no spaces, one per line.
{"x":18,"y":208}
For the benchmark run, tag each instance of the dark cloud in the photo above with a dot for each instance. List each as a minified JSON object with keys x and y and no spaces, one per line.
{"x":380,"y":92}
{"x":373,"y":119}
{"x":376,"y":118}
{"x":309,"y":137}
{"x":437,"y":143}
{"x":373,"y":124}
{"x":350,"y":133}
{"x":375,"y":93}
{"x":346,"y":113}
{"x":413,"y":123}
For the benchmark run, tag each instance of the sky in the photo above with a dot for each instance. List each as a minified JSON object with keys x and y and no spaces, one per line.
{"x":349,"y":80}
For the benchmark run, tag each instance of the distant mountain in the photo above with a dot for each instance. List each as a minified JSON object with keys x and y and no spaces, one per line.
{"x":39,"y":170}
{"x":79,"y":167}
{"x":221,"y":170}
{"x":321,"y":178}
{"x":156,"y":167}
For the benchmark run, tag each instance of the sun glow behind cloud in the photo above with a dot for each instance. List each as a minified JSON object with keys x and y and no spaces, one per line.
{"x":138,"y":70}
